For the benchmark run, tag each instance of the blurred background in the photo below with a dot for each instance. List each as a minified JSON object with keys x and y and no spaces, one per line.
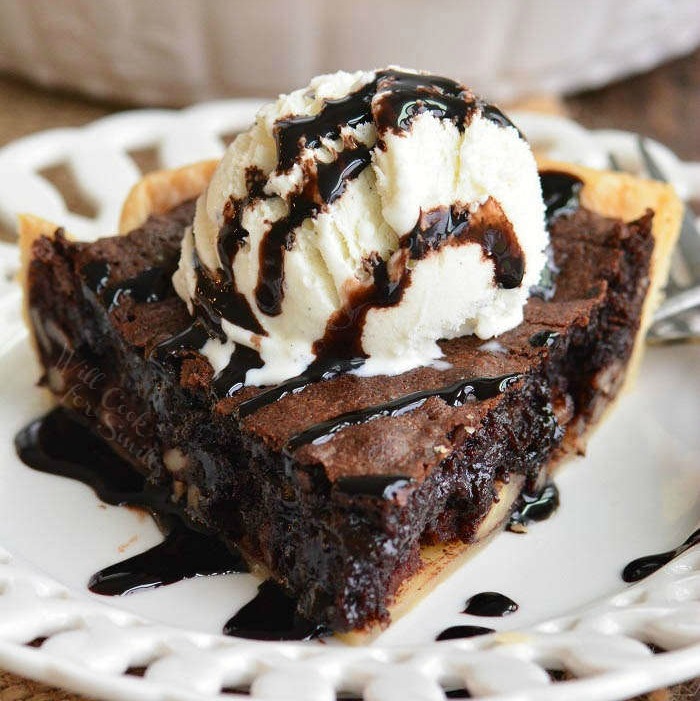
{"x":175,"y":52}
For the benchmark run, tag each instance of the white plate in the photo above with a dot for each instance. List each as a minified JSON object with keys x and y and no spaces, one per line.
{"x":635,"y":493}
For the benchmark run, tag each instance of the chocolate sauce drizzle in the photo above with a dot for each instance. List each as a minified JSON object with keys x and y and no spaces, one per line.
{"x":343,"y":335}
{"x":96,"y":274}
{"x":182,"y":555}
{"x":455,"y":225}
{"x":493,"y":114}
{"x":543,"y":339}
{"x":534,"y":507}
{"x":269,"y":291}
{"x":271,"y":615}
{"x":561,"y":193}
{"x":490,"y":604}
{"x":59,"y":444}
{"x":232,"y":378}
{"x":150,"y":285}
{"x":232,"y":234}
{"x":221,"y":299}
{"x":457,"y":632}
{"x":322,"y":187}
{"x":331,"y":178}
{"x":229,"y":380}
{"x":500,"y":244}
{"x":192,"y":337}
{"x":392,"y":99}
{"x":231,"y":237}
{"x":435,"y":228}
{"x":378,"y":486}
{"x":401,"y":97}
{"x":318,"y":371}
{"x":296,"y":133}
{"x":455,"y":395}
{"x":644,"y":566}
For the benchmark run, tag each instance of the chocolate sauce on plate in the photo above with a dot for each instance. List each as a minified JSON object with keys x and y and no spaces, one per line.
{"x":490,"y":604}
{"x":271,"y":615}
{"x":59,"y":444}
{"x":455,"y":395}
{"x":644,"y":566}
{"x":534,"y":507}
{"x":182,"y":555}
{"x":456,"y":632}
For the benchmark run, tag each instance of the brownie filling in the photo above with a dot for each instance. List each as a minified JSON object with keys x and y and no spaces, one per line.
{"x":339,"y":516}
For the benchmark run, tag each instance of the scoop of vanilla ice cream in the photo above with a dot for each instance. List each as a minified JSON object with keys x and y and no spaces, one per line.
{"x":369,"y":215}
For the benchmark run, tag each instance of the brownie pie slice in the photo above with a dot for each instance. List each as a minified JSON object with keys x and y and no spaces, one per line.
{"x":352,"y":492}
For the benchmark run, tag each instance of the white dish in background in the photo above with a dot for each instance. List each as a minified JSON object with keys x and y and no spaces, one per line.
{"x":174,"y":52}
{"x":635,"y":493}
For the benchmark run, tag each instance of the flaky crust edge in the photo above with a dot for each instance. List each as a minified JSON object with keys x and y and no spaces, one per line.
{"x":162,"y":190}
{"x":628,"y":197}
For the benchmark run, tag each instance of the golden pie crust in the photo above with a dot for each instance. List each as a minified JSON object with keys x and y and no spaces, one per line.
{"x":162,"y":190}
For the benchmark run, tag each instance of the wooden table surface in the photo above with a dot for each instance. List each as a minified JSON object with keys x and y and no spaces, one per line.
{"x":663,"y":104}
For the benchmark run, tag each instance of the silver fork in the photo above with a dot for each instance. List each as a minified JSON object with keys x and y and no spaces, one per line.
{"x":678,"y":317}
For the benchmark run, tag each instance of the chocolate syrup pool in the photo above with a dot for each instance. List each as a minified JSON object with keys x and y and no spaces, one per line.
{"x":645,"y":566}
{"x":58,"y":444}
